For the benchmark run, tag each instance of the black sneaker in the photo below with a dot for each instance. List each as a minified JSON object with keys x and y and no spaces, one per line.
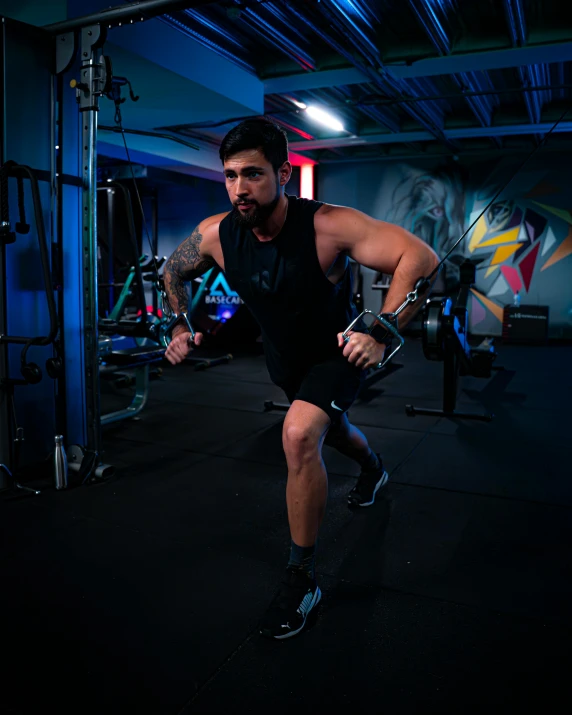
{"x":368,"y":484}
{"x":286,"y":616}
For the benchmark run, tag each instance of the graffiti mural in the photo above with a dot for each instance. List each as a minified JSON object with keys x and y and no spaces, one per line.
{"x":522,"y":244}
{"x":519,"y":244}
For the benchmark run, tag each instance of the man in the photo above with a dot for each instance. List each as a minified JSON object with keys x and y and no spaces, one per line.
{"x":288,"y":260}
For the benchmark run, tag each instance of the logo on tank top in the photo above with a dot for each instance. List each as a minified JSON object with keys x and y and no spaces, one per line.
{"x":220,"y":293}
{"x":261,"y":281}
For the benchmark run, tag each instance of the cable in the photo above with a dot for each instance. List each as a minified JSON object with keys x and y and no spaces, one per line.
{"x":138,"y":195}
{"x":166,"y":306}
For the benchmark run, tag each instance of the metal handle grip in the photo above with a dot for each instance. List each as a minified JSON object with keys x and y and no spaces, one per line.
{"x":385,"y":320}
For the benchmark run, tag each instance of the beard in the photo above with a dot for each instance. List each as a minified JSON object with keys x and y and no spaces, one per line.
{"x":257,"y":215}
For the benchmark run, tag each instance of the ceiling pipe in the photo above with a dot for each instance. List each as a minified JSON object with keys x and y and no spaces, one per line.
{"x":287,"y":46}
{"x":214,"y":27}
{"x":532,"y":75}
{"x":284,"y":44}
{"x":206,"y":42}
{"x":516,"y":22}
{"x":342,"y":9}
{"x":481,"y":106}
{"x":385,"y":84}
{"x":430,"y":22}
{"x":279,"y":15}
{"x":431,"y":117}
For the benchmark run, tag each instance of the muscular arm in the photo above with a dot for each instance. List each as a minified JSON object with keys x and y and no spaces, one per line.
{"x":188,"y":261}
{"x":385,"y":248}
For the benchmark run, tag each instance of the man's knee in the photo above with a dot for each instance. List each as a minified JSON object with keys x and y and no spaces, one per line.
{"x":303,"y":432}
{"x":299,"y":438}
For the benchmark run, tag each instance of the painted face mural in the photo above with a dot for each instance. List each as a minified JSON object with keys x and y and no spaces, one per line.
{"x":431,"y":205}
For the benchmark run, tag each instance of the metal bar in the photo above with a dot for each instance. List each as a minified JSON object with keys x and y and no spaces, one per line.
{"x":88,"y":117}
{"x":57,"y":235}
{"x":458,"y":95}
{"x":432,"y":26}
{"x":481,"y":60}
{"x":115,"y":16}
{"x":6,"y":434}
{"x":110,"y":193}
{"x":155,"y":241}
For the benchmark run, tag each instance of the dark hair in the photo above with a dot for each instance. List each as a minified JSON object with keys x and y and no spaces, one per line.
{"x":258,"y":133}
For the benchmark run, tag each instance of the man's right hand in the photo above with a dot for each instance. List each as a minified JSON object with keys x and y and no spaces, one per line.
{"x":181,"y":346}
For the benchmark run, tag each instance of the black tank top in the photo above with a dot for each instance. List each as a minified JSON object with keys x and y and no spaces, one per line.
{"x":281,"y":281}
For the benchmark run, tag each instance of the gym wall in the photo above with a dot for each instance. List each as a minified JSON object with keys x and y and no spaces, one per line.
{"x":524,"y":241}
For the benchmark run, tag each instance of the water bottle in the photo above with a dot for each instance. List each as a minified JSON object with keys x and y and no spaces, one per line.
{"x":517,"y":299}
{"x":60,"y":464}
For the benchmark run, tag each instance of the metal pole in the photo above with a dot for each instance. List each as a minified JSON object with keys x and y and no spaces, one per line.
{"x":155,"y":238}
{"x":134,"y":12}
{"x":88,"y":91}
{"x":110,"y":193}
{"x":5,"y":431}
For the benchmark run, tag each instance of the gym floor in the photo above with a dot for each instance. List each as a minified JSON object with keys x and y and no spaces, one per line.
{"x":451,"y":594}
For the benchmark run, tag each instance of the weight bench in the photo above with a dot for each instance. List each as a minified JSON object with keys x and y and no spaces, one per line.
{"x":140,"y":359}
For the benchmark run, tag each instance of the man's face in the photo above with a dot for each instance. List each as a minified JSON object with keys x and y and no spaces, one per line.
{"x":253,"y":186}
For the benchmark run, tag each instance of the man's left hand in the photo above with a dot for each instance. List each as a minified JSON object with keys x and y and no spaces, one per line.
{"x":362,"y":350}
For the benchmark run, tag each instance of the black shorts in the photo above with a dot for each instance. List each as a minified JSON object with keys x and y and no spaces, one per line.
{"x":332,"y":385}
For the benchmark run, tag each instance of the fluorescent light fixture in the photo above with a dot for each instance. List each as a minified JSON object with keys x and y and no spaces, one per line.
{"x":294,"y":101}
{"x":324,"y":118}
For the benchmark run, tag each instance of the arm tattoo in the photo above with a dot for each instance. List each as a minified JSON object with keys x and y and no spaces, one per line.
{"x":185,"y":264}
